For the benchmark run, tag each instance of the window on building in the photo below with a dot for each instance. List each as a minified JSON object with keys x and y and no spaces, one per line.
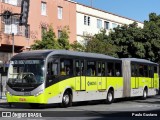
{"x":11,"y":25}
{"x":99,"y":23}
{"x":106,"y":25}
{"x":114,"y":25}
{"x":60,"y":12}
{"x":87,"y":20}
{"x":12,"y":2}
{"x":59,"y":33}
{"x":43,"y":8}
{"x":43,"y":31}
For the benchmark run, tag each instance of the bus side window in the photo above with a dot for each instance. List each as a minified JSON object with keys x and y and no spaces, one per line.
{"x":91,"y":68}
{"x":52,"y":69}
{"x":133,"y":70}
{"x":110,"y":69}
{"x":66,"y":67}
{"x":100,"y":69}
{"x":151,"y":73}
{"x":141,"y":70}
{"x":118,"y":69}
{"x":155,"y":69}
{"x":99,"y":73}
{"x":146,"y":71}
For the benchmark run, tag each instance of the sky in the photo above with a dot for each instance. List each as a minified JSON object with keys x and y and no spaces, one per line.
{"x":135,"y":9}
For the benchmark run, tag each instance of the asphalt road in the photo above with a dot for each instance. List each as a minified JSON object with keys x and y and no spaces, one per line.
{"x":133,"y":108}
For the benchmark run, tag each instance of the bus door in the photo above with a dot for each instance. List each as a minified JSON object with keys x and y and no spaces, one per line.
{"x":134,"y":78}
{"x":80,"y":77}
{"x":151,"y":77}
{"x":156,"y":78}
{"x":101,"y":79}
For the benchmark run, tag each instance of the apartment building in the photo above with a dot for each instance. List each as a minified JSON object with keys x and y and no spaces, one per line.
{"x":42,"y":14}
{"x":82,"y":20}
{"x":91,"y":20}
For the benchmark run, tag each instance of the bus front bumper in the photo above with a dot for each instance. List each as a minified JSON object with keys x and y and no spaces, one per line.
{"x":25,"y":99}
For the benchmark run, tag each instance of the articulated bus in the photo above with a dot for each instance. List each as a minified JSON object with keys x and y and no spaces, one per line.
{"x":61,"y":76}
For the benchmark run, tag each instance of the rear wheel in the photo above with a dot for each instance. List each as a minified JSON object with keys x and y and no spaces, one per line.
{"x":144,"y":94}
{"x":67,"y":99}
{"x":110,"y":97}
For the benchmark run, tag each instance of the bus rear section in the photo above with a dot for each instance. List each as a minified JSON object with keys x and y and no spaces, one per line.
{"x":140,"y":77}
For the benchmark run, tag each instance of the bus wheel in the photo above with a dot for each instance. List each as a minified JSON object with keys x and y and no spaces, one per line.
{"x":110,"y":97}
{"x":67,"y":99}
{"x":144,"y":94}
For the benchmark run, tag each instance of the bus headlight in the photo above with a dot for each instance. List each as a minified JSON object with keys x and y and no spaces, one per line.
{"x":7,"y":92}
{"x":39,"y":93}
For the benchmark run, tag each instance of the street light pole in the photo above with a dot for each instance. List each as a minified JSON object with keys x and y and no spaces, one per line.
{"x":12,"y":44}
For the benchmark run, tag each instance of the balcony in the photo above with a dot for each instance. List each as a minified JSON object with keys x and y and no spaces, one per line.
{"x":13,"y":2}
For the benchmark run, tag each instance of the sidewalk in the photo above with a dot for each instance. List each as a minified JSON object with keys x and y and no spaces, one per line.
{"x":3,"y":100}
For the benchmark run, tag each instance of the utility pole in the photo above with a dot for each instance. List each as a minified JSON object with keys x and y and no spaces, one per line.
{"x":12,"y":44}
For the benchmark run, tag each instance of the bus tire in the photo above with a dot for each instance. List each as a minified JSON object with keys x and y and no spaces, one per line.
{"x":144,"y":94}
{"x":110,"y":97}
{"x":67,"y":100}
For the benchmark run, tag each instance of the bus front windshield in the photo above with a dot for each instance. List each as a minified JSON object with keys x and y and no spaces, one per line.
{"x":26,"y":72}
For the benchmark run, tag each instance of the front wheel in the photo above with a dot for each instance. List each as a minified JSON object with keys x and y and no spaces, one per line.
{"x":110,"y":97}
{"x":67,"y":100}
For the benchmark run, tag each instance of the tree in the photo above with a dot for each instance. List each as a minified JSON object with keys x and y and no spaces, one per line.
{"x":130,"y":41}
{"x":76,"y":46}
{"x":100,"y":43}
{"x":48,"y":41}
{"x":63,"y":40}
{"x":152,"y":35}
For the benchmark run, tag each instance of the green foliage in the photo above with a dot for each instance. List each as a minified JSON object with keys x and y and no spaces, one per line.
{"x":130,"y":40}
{"x":76,"y":46}
{"x":123,"y":41}
{"x":48,"y":41}
{"x":152,"y":35}
{"x":63,"y":40}
{"x":101,"y":44}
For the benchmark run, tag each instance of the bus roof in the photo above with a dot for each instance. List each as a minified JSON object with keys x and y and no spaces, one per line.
{"x":46,"y":53}
{"x":138,"y":60}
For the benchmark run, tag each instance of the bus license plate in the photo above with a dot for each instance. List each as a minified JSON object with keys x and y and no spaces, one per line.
{"x":27,"y":93}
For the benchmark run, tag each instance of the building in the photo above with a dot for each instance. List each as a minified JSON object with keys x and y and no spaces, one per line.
{"x":91,"y":20}
{"x":42,"y":14}
{"x":82,"y":20}
{"x":55,"y":13}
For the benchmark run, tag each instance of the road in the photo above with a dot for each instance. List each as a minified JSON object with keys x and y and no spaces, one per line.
{"x":95,"y":109}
